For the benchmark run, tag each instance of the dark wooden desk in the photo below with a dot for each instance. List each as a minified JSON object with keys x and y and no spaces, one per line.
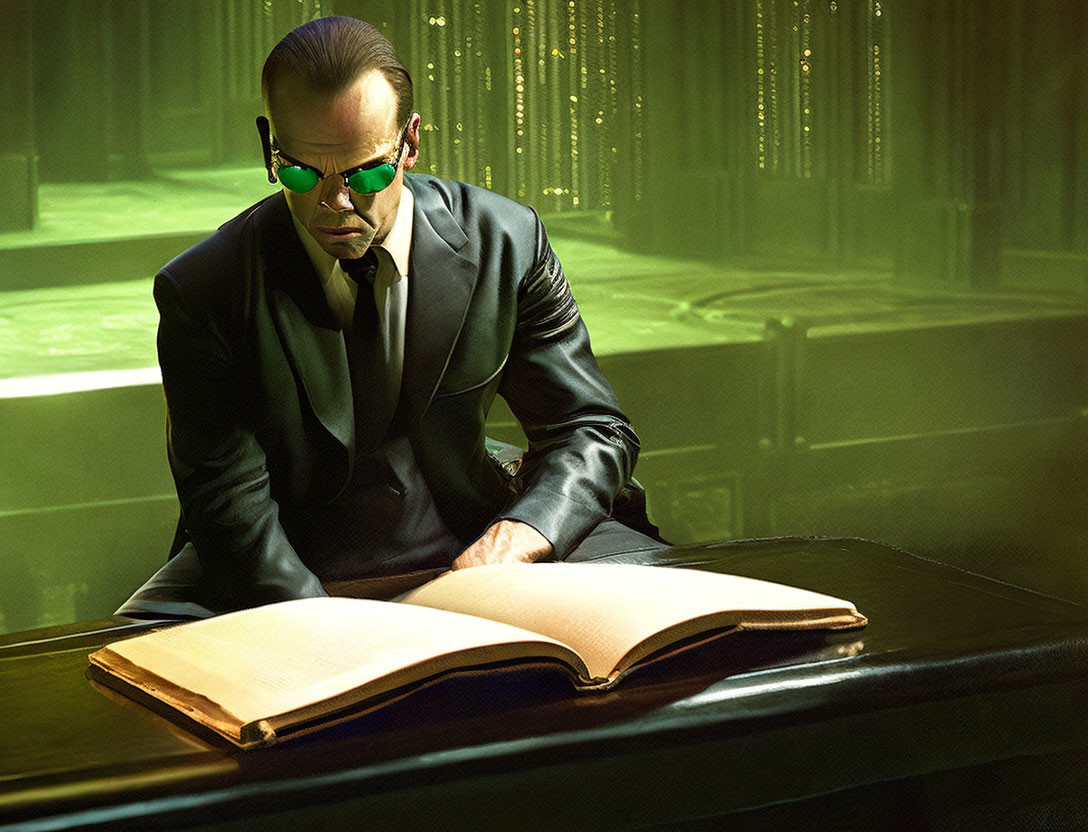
{"x":961,"y":705}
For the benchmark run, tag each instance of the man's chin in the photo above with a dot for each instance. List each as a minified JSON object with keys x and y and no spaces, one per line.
{"x":350,"y":248}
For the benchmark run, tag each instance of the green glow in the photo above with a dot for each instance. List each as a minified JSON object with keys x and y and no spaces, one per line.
{"x":173,"y":201}
{"x":57,"y":383}
{"x":833,"y":256}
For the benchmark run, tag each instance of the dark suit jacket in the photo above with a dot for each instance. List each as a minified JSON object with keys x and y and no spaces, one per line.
{"x":259,"y":402}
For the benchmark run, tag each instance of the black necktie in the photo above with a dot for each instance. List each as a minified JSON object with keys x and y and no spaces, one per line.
{"x":366,"y":358}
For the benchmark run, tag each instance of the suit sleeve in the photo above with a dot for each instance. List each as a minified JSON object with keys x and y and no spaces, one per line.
{"x":219,"y":467}
{"x":582,"y":448}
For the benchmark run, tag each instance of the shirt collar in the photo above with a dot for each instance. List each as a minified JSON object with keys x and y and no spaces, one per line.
{"x":397,"y":243}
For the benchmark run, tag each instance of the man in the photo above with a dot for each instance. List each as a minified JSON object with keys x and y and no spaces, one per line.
{"x":329,"y":357}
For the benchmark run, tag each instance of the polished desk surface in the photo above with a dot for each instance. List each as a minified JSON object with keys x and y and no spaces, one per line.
{"x":962,"y":703}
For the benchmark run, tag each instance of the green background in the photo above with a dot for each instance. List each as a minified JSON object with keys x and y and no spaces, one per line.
{"x":833,"y":255}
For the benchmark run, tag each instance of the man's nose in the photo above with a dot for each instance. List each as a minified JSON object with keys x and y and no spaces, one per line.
{"x":335,"y":194}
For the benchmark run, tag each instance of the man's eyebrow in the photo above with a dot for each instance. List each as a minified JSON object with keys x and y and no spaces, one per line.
{"x":295,"y":161}
{"x":368,"y":164}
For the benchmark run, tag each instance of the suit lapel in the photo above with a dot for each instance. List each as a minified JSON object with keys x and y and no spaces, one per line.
{"x":310,"y":335}
{"x":440,"y":285}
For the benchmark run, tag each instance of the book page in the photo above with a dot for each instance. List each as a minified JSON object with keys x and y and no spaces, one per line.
{"x":270,"y":660}
{"x":605,"y":611}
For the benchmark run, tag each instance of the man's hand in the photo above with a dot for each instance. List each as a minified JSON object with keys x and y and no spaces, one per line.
{"x":507,"y":541}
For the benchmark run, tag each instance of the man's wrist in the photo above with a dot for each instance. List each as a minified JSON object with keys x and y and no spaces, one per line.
{"x":524,"y":538}
{"x":505,"y":541}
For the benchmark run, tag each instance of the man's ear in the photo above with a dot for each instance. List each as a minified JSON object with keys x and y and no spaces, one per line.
{"x":412,"y":140}
{"x":265,"y":132}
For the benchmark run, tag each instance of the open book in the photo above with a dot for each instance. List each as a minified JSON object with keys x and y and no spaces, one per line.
{"x":259,"y":675}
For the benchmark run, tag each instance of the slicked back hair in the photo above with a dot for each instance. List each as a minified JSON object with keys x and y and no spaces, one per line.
{"x":329,"y":53}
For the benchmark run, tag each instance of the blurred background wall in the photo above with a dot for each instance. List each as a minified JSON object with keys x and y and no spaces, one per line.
{"x":833,"y":253}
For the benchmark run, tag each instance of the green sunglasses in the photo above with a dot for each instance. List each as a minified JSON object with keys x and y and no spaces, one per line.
{"x":364,"y":180}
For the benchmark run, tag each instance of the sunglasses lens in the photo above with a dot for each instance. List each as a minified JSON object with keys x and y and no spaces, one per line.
{"x":299,"y":180}
{"x":372,"y":180}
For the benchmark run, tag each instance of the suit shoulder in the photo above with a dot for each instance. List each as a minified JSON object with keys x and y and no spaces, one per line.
{"x":214,"y":261}
{"x":478,"y":210}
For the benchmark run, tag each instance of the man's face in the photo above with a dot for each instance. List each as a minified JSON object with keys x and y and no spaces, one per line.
{"x":333,"y":133}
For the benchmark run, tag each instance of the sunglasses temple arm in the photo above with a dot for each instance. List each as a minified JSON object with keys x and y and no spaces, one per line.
{"x":266,"y":146}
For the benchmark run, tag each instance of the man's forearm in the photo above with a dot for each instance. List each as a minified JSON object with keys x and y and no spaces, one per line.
{"x":582,"y":449}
